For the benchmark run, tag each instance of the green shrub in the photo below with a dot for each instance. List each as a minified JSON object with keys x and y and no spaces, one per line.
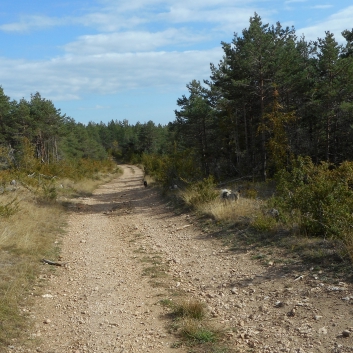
{"x":264,"y":223}
{"x":9,"y":208}
{"x":322,"y":195}
{"x":49,"y":190}
{"x":196,"y":333}
{"x":200,"y":192}
{"x":251,"y":193}
{"x":177,"y":167}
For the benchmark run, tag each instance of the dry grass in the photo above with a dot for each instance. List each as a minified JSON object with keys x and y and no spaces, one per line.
{"x":85,"y":187}
{"x":243,"y":209}
{"x":191,"y":309}
{"x":187,"y":196}
{"x":25,"y":238}
{"x":191,"y":324}
{"x":158,"y":269}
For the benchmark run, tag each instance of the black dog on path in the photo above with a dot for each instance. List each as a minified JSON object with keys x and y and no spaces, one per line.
{"x":145,"y":183}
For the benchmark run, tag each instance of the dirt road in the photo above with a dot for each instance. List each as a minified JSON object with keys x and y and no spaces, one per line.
{"x":108,"y":297}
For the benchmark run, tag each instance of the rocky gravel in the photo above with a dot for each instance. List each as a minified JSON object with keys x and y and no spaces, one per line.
{"x":125,"y":250}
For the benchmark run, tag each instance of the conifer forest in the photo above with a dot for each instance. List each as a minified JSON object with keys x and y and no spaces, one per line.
{"x":272,"y":97}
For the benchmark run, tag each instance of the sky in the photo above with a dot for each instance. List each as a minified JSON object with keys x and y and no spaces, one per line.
{"x":103,"y":60}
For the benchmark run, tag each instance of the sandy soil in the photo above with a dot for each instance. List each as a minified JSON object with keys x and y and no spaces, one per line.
{"x":105,"y":300}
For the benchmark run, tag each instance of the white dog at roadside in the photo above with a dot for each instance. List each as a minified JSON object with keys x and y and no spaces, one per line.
{"x":229,"y":195}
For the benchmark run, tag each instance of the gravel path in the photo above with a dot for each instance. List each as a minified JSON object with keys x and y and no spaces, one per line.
{"x":100,"y":302}
{"x":107,"y":299}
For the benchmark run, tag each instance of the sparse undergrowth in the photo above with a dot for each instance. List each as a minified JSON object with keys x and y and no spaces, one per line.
{"x":304,"y":200}
{"x":254,"y":221}
{"x":155,"y":269}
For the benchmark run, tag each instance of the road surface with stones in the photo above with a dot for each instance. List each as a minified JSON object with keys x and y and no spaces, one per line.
{"x":104,"y":299}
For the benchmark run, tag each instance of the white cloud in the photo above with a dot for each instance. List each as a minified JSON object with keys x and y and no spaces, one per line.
{"x":131,"y":14}
{"x":28,"y":23}
{"x":128,"y":14}
{"x":96,"y":107}
{"x":70,"y":77}
{"x":335,"y":23}
{"x":132,"y":41}
{"x":127,"y":5}
{"x":110,"y":21}
{"x":180,"y":14}
{"x":294,"y":1}
{"x":321,"y":7}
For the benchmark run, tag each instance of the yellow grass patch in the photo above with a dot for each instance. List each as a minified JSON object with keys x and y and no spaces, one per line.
{"x":232,"y":211}
{"x":25,"y":238}
{"x":70,"y":188}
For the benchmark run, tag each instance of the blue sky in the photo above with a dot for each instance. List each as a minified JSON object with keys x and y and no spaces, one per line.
{"x":102,"y":60}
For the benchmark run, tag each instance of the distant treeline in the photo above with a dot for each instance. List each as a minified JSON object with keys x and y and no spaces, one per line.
{"x":271,"y":98}
{"x":55,"y":137}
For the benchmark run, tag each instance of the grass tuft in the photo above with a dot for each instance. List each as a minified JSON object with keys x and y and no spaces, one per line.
{"x":196,"y":332}
{"x":192,"y":309}
{"x":191,"y":324}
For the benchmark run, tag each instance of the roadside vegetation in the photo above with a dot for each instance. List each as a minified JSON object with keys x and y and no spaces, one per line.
{"x":271,"y":120}
{"x":32,"y":219}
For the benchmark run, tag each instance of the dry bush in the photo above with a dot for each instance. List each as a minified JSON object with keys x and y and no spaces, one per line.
{"x":260,"y":190}
{"x":85,"y":187}
{"x":251,"y":193}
